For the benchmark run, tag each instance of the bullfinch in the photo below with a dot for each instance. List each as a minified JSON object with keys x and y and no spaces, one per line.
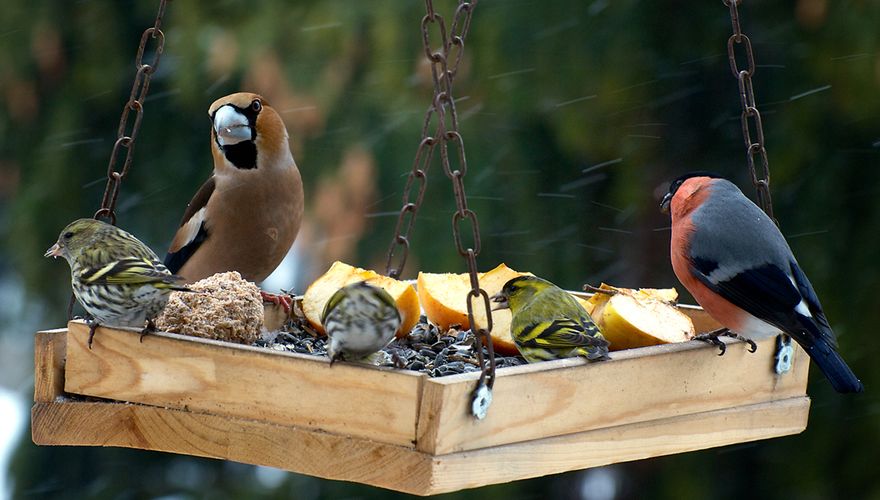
{"x":735,"y":262}
{"x":247,"y":214}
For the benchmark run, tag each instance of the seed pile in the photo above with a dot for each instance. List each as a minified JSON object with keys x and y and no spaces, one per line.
{"x":426,"y":349}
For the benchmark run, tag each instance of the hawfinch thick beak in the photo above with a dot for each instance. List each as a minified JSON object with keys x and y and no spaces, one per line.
{"x":501,"y":300}
{"x":231,"y":126}
{"x":53,"y":251}
{"x":664,"y":203}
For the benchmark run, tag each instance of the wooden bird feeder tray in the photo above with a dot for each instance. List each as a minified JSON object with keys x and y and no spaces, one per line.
{"x":400,"y":429}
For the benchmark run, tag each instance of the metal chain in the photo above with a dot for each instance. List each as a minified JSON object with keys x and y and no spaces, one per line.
{"x":135,"y":103}
{"x":407,"y":217}
{"x":750,"y":114}
{"x":425,"y":151}
{"x":444,"y":64}
{"x":139,"y":89}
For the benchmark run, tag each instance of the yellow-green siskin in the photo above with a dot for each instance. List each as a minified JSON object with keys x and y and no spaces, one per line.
{"x":117,"y":279}
{"x":360,"y":319}
{"x":548,"y":323}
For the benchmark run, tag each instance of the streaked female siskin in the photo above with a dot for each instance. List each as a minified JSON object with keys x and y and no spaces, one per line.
{"x":360,"y":319}
{"x":117,"y":279}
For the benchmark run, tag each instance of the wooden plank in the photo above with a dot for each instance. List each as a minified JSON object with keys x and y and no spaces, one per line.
{"x":241,"y":381}
{"x":351,"y":459}
{"x":595,"y":448}
{"x":567,"y":396}
{"x":49,"y":352}
{"x":315,"y":453}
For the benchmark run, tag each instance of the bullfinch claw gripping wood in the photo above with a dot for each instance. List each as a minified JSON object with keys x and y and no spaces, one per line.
{"x":246,"y":216}
{"x":712,"y":338}
{"x":735,"y":262}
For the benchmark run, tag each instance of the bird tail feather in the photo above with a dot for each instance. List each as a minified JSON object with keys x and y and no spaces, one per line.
{"x":834,"y":367}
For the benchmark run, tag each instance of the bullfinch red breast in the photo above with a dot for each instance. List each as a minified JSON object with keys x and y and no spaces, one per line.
{"x":735,"y":262}
{"x":247,"y":214}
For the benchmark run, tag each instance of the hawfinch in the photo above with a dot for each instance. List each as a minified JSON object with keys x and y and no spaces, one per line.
{"x":247,"y":214}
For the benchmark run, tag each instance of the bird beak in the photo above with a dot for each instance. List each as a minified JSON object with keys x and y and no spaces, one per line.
{"x":53,"y":251}
{"x":664,"y":203}
{"x":501,"y":300}
{"x":231,"y":126}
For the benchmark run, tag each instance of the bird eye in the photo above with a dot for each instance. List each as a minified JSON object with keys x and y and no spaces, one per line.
{"x":256,"y":105}
{"x":68,"y":235}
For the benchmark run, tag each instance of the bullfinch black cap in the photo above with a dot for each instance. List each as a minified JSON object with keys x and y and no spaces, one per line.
{"x":678,"y":181}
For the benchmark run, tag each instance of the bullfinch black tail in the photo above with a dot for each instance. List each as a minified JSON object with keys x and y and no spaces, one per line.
{"x":834,"y":367}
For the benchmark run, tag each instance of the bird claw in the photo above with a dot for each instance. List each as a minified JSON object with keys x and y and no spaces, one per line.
{"x":336,"y":357}
{"x":285,"y":301}
{"x":398,"y":361}
{"x":150,"y":328}
{"x":93,"y":325}
{"x":712,"y":338}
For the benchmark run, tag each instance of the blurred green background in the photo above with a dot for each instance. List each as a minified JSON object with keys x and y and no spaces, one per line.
{"x":547,"y":91}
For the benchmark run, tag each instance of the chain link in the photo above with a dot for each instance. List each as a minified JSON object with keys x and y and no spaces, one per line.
{"x":447,"y":133}
{"x":444,"y":64}
{"x":127,"y":132}
{"x":407,"y":217}
{"x":756,"y":152}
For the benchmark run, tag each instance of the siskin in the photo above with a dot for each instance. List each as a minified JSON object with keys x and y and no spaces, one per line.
{"x":117,"y":279}
{"x":548,"y":323}
{"x":360,"y":319}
